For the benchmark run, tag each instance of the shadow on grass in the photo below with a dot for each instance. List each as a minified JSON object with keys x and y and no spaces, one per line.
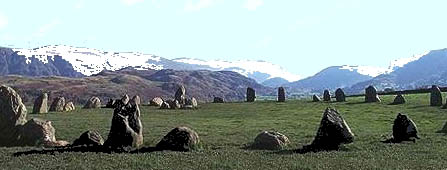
{"x":354,"y":103}
{"x":87,"y":149}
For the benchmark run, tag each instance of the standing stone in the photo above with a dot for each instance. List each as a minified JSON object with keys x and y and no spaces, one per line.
{"x":156,"y":101}
{"x":371,"y":95}
{"x":58,"y":104}
{"x":315,"y":98}
{"x":404,"y":129}
{"x":69,"y":107}
{"x":179,"y":139}
{"x":15,"y":130}
{"x":399,"y":99}
{"x":89,"y":138}
{"x":218,"y":100}
{"x":136,"y":100}
{"x":251,"y":94}
{"x":125,"y":99}
{"x":435,"y":96}
{"x":180,"y":95}
{"x":173,"y":104}
{"x":340,"y":95}
{"x":93,"y":102}
{"x":126,"y":131}
{"x":327,"y":96}
{"x":41,"y":104}
{"x":12,"y":116}
{"x":281,"y":94}
{"x":270,"y":140}
{"x":333,"y":132}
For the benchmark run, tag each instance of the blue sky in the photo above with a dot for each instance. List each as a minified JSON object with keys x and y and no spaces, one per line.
{"x":301,"y":36}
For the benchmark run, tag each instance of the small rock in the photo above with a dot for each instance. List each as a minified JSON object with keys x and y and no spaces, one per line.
{"x":89,"y":138}
{"x":179,"y":139}
{"x":270,"y":140}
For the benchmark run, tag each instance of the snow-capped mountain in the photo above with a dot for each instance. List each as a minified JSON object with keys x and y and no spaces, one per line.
{"x":88,"y":61}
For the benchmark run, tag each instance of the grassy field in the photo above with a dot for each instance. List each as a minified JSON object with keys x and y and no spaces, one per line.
{"x":225,"y":129}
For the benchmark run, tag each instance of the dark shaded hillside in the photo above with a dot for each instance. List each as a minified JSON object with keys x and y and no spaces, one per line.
{"x":201,"y":84}
{"x":13,"y":64}
{"x":329,"y":78}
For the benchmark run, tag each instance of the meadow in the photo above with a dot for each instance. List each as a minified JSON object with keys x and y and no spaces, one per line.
{"x":226,"y":130}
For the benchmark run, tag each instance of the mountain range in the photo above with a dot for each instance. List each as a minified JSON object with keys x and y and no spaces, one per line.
{"x":67,"y":61}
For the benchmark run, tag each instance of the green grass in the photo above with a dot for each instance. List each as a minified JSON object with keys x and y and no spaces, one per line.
{"x":225,"y":129}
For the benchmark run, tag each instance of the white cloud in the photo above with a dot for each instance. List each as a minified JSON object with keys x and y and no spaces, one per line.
{"x":253,"y":4}
{"x":47,"y":27}
{"x":131,"y":2}
{"x":3,"y":21}
{"x":191,"y":6}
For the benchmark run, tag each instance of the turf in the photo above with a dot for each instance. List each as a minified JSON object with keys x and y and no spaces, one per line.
{"x":226,"y":129}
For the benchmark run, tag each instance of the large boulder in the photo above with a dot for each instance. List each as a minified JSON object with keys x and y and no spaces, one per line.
{"x":340,"y":95}
{"x":93,"y":102}
{"x":69,"y":107}
{"x":57,"y":105}
{"x":371,"y":95}
{"x":16,"y":131}
{"x":327,"y":96}
{"x":399,"y":99}
{"x":156,"y":101}
{"x":270,"y":140}
{"x":435,"y":96}
{"x":89,"y":138}
{"x":126,"y":131}
{"x":281,"y":94}
{"x":218,"y":100}
{"x":12,"y":115}
{"x":404,"y":129}
{"x":37,"y":132}
{"x":173,"y":104}
{"x":190,"y":103}
{"x":136,"y":100}
{"x":41,"y":104}
{"x":180,"y":95}
{"x":333,"y":132}
{"x":165,"y":105}
{"x":315,"y":98}
{"x":179,"y":139}
{"x":251,"y":94}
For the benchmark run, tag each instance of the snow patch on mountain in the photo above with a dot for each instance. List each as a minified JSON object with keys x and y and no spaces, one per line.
{"x":89,"y":61}
{"x":244,"y":67}
{"x":402,"y":61}
{"x":366,"y":70}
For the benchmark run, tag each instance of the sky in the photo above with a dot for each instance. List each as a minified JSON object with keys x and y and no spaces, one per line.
{"x":302,"y":36}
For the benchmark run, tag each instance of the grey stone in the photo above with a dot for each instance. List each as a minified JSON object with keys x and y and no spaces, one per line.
{"x":315,"y":98}
{"x":404,"y":129}
{"x":340,"y":95}
{"x":435,"y":96}
{"x":93,"y":102}
{"x":41,"y":104}
{"x":399,"y":99}
{"x":281,"y":94}
{"x":57,"y":105}
{"x":218,"y":100}
{"x":371,"y":95}
{"x":179,"y":139}
{"x":89,"y":138}
{"x":270,"y":140}
{"x":251,"y":94}
{"x":156,"y":101}
{"x":327,"y":96}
